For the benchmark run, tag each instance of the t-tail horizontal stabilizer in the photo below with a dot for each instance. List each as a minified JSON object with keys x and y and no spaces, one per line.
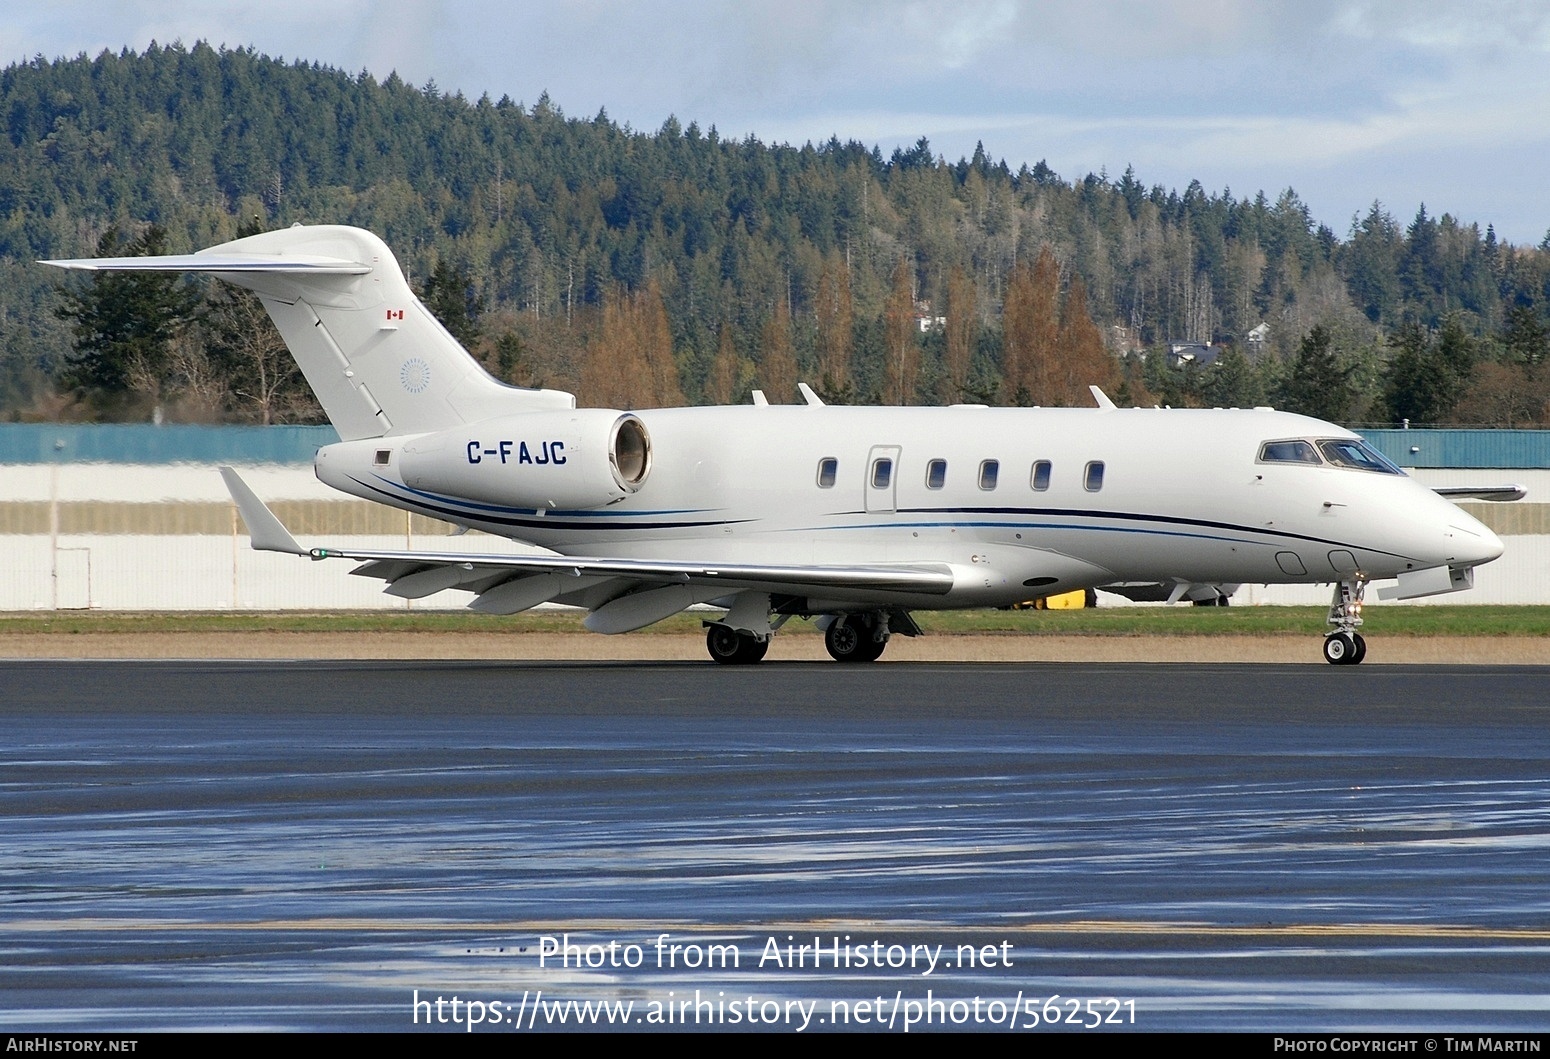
{"x":296,"y":265}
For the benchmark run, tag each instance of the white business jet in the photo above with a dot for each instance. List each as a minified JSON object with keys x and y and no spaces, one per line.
{"x":851,"y":516}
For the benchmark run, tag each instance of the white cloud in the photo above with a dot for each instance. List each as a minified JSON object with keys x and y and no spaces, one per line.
{"x":1442,"y":25}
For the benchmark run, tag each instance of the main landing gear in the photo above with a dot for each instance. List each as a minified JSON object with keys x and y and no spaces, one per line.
{"x":1344,"y":646}
{"x":857,"y":637}
{"x":733,"y":648}
{"x":742,"y":637}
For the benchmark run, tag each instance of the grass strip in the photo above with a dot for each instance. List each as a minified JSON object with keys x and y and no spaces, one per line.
{"x":1100,"y":621}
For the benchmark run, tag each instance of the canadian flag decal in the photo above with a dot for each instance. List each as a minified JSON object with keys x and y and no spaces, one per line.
{"x":395,"y":314}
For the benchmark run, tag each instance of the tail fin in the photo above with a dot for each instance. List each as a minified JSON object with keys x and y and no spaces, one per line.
{"x":378,"y":361}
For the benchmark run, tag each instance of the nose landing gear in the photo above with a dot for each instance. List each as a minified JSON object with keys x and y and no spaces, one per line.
{"x":1344,"y":646}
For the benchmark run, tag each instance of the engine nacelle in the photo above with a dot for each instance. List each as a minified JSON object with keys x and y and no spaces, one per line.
{"x":573,"y":459}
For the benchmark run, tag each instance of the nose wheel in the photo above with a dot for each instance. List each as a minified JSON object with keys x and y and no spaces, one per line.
{"x":1345,"y":646}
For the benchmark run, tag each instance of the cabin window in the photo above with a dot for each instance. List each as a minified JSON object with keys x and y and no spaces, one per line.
{"x":1040,"y":478}
{"x":882,"y":473}
{"x":988,"y":471}
{"x":1288,"y":452}
{"x":828,"y":468}
{"x":936,"y":474}
{"x":1356,"y":455}
{"x":1092,"y":481}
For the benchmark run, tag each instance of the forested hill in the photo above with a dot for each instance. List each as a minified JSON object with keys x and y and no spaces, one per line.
{"x":568,"y":239}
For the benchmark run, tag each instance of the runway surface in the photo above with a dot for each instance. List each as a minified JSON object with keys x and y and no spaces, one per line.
{"x":1211,"y":847}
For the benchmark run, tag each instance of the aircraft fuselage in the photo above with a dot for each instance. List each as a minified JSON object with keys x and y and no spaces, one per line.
{"x":1018,"y":502}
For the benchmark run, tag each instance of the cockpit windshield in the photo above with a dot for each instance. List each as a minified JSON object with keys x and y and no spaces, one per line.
{"x":1289,"y":452}
{"x":1336,"y":452}
{"x":1343,"y":452}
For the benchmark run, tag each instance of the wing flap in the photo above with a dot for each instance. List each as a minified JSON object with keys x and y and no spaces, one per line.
{"x":429,"y":581}
{"x":927,"y":578}
{"x":386,"y":571}
{"x":636,"y":610}
{"x":528,"y":591}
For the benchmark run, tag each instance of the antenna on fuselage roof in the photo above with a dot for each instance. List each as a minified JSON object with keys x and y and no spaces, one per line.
{"x":1102,"y":398}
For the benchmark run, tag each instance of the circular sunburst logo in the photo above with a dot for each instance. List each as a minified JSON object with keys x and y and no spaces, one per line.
{"x":415,"y":375}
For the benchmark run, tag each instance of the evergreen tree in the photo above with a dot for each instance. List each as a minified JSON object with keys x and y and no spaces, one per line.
{"x":1526,"y":339}
{"x":450,"y":296}
{"x":1428,"y":376}
{"x":510,"y":360}
{"x":1233,"y":381}
{"x":1421,"y":274}
{"x":124,"y":322}
{"x":1319,"y":383}
{"x":1371,"y":263}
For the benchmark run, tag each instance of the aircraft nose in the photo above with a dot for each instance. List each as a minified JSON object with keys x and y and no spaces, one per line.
{"x":1473,"y":542}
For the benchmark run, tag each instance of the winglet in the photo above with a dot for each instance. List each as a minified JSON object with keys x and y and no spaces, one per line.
{"x":1102,"y":398}
{"x":268,"y":534}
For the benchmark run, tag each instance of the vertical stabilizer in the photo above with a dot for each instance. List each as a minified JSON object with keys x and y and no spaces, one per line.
{"x":378,"y":361}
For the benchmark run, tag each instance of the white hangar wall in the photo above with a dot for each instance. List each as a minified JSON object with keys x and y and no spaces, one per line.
{"x":168,"y":538}
{"x":136,"y":517}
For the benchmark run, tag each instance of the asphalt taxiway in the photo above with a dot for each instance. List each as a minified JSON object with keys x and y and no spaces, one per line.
{"x":321,"y":844}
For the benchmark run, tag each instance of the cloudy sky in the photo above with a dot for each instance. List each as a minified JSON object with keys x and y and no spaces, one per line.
{"x":1347,"y":101}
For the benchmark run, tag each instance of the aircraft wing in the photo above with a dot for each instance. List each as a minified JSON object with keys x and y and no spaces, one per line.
{"x":393,"y":566}
{"x":1482,"y":492}
{"x":505,"y":584}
